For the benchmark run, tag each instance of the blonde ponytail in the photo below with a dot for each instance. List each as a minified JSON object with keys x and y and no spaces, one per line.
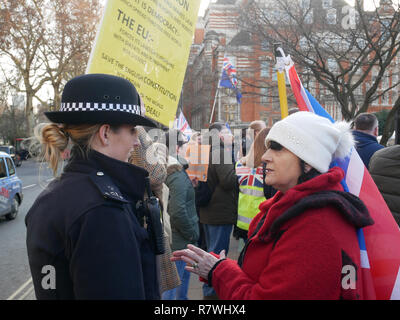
{"x":54,"y":142}
{"x":55,"y":139}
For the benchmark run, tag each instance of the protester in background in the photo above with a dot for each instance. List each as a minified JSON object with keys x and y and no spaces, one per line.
{"x":249,"y":171}
{"x":196,"y":138}
{"x":220,"y":213}
{"x":366,"y":128}
{"x":84,"y":225}
{"x":385,"y":170}
{"x":152,"y":158}
{"x":181,"y":209}
{"x":306,"y":234}
{"x":256,"y":126}
{"x":248,"y":136}
{"x":146,"y":156}
{"x":245,"y":142}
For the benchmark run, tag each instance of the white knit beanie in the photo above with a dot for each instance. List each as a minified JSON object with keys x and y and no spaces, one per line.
{"x":312,"y":138}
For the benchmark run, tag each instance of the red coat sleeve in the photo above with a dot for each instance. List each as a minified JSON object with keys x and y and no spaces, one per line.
{"x":305,"y":264}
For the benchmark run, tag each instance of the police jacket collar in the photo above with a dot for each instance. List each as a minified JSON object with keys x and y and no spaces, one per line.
{"x":129,"y":178}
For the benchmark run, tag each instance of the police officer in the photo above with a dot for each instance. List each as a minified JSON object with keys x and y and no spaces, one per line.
{"x":84,"y":238}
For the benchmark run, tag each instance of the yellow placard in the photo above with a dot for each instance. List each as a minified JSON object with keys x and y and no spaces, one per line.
{"x":147,"y":42}
{"x":198,"y":158}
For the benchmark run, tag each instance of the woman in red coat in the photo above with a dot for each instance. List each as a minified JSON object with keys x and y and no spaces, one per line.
{"x":303,"y":243}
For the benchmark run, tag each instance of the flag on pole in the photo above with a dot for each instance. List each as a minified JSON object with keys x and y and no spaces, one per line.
{"x":228,"y":78}
{"x":379,"y":243}
{"x":280,"y":74}
{"x":182,"y":125}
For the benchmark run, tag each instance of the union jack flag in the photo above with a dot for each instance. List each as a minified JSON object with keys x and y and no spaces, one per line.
{"x":230,"y":71}
{"x":228,"y":78}
{"x":182,"y":125}
{"x":252,"y":177}
{"x":379,"y":243}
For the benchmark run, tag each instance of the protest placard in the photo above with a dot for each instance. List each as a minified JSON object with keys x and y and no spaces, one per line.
{"x":147,"y":42}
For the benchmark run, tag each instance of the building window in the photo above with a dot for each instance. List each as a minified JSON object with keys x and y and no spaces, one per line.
{"x":230,"y":113}
{"x":276,"y":106}
{"x":264,"y":116}
{"x":326,"y":4}
{"x":385,"y":99}
{"x":305,"y":4}
{"x":332,"y":65}
{"x":275,"y":120}
{"x":331,"y":16}
{"x":395,"y":95}
{"x":304,"y":43}
{"x":312,"y":87}
{"x":309,"y":17}
{"x":265,"y":69}
{"x":264,"y":95}
{"x":265,"y":45}
{"x":385,"y":81}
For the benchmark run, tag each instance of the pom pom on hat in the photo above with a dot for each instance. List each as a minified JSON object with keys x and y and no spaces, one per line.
{"x":313,"y":138}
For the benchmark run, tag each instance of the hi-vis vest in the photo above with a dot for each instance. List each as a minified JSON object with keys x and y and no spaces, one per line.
{"x":251,"y":193}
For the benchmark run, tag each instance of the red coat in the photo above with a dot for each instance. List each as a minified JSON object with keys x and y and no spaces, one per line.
{"x":306,"y":261}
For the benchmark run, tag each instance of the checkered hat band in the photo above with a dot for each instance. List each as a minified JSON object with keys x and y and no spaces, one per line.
{"x":91,"y":106}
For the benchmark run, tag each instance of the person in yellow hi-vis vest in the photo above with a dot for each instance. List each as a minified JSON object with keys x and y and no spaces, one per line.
{"x":249,"y":172}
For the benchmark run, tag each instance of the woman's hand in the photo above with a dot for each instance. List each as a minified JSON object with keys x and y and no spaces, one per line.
{"x":197,"y":260}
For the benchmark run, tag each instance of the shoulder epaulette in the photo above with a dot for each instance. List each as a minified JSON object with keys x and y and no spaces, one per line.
{"x":107,"y":187}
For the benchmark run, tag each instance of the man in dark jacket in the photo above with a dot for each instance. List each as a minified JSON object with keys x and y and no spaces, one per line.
{"x":366,"y":129}
{"x":385,"y":170}
{"x":219,"y":216}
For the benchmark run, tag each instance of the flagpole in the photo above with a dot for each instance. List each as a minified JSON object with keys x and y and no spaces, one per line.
{"x":238,"y":115}
{"x":217,"y":93}
{"x":215,"y":99}
{"x":280,"y":66}
{"x":219,"y":106}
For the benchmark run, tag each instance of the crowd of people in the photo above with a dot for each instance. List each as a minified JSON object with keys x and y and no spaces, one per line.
{"x":126,"y":221}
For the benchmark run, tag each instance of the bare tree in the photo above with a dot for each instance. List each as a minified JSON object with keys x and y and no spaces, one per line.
{"x":347,"y":52}
{"x":21,"y":36}
{"x":70,"y":33}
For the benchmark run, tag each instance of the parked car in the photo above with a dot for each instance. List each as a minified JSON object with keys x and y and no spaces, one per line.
{"x":10,"y":187}
{"x":11,"y":151}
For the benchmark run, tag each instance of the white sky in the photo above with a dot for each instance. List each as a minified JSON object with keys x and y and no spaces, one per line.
{"x":203,"y":6}
{"x":368,"y":3}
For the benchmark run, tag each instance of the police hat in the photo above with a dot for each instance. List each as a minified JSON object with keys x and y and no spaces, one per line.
{"x":100,"y":98}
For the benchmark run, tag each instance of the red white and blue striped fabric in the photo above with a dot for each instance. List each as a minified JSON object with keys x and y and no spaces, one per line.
{"x":182,"y":125}
{"x":379,"y":243}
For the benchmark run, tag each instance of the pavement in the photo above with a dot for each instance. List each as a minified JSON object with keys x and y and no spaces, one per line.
{"x":195,"y":286}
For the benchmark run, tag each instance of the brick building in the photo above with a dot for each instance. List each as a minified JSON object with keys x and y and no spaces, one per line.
{"x":219,"y":34}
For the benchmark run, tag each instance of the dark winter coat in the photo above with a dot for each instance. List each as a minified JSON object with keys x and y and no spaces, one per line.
{"x":84,"y":226}
{"x":366,"y":145}
{"x":385,"y":170}
{"x":181,"y":206}
{"x":298,"y":246}
{"x":221,"y":177}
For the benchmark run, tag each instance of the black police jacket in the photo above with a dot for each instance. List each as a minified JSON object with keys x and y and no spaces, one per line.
{"x":82,"y":241}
